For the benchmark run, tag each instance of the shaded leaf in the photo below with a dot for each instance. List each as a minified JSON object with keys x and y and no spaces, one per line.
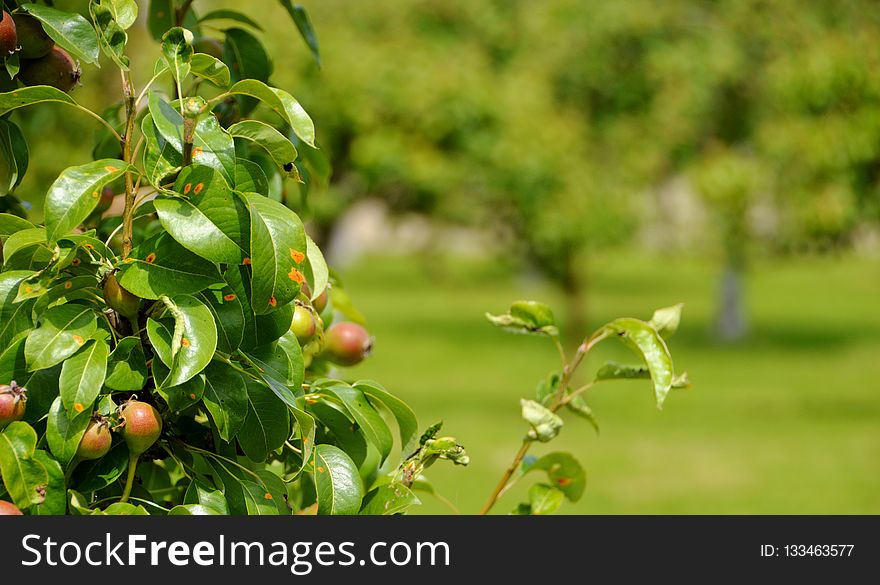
{"x":127,"y":369}
{"x":564,"y":472}
{"x":338,"y":485}
{"x":273,"y":142}
{"x":64,"y":431}
{"x":25,"y":478}
{"x":226,"y":398}
{"x":304,"y":25}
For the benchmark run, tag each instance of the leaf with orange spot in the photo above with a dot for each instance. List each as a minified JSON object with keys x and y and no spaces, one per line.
{"x":340,"y":490}
{"x":83,"y":375}
{"x":54,"y":340}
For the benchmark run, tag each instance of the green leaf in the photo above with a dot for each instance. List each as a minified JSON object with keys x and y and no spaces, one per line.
{"x":226,"y":398}
{"x":276,"y":145}
{"x":616,"y":371}
{"x":194,"y":341}
{"x":370,"y":422}
{"x":161,"y":159}
{"x":665,"y":321}
{"x":304,"y":25}
{"x":200,"y":493}
{"x":111,"y":35}
{"x":23,"y":240}
{"x":177,"y":51}
{"x":228,"y":315}
{"x":544,"y":499}
{"x":83,"y":375}
{"x":267,"y":424}
{"x":338,"y":485}
{"x":160,"y":266}
{"x":69,"y":30}
{"x":230,"y":15}
{"x":277,"y":246}
{"x":545,"y":424}
{"x":127,"y":370}
{"x":64,"y":431}
{"x":122,"y":509}
{"x":273,"y":365}
{"x":13,"y":157}
{"x":76,"y":192}
{"x":160,"y":18}
{"x":282,"y":103}
{"x":317,"y":272}
{"x":211,"y":69}
{"x":547,"y":388}
{"x":647,"y":343}
{"x":12,"y":363}
{"x":247,"y":59}
{"x":25,"y":478}
{"x":14,"y":317}
{"x":388,"y":499}
{"x":208,"y":220}
{"x":213,"y":146}
{"x":9,"y":224}
{"x":564,"y":472}
{"x":526,"y":317}
{"x":28,"y":96}
{"x":124,"y":12}
{"x":55,"y":503}
{"x":179,"y":396}
{"x":97,"y":474}
{"x":244,"y":496}
{"x":305,"y":429}
{"x":168,"y":121}
{"x":407,"y":423}
{"x":249,"y":178}
{"x":64,"y":329}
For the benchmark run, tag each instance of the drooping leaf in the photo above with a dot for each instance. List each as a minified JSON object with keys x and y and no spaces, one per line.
{"x":643,"y":339}
{"x":564,"y":472}
{"x":276,"y":145}
{"x":272,"y":363}
{"x":160,"y":266}
{"x":127,"y":368}
{"x":64,"y":431}
{"x":617,"y":371}
{"x":338,"y":485}
{"x":177,"y":51}
{"x":13,"y":157}
{"x":211,"y":69}
{"x":161,"y":158}
{"x":69,"y":30}
{"x":25,"y":478}
{"x":226,"y":398}
{"x":388,"y":499}
{"x":406,"y":418}
{"x":304,"y":25}
{"x":28,"y":96}
{"x":278,"y":246}
{"x":267,"y":424}
{"x":83,"y":375}
{"x":208,"y":220}
{"x":545,"y":424}
{"x":202,"y":494}
{"x":235,"y":15}
{"x":370,"y":422}
{"x":243,"y":495}
{"x":63,"y":330}
{"x":14,"y":317}
{"x":111,"y":35}
{"x":76,"y":193}
{"x":305,"y":427}
{"x":317,"y":272}
{"x":578,"y":406}
{"x":280,"y":102}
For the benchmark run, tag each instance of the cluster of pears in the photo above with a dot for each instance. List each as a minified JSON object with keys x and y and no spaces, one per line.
{"x":41,"y":61}
{"x":344,"y":343}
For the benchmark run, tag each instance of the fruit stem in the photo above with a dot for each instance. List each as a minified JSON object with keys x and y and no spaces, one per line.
{"x":129,"y":480}
{"x":130,"y":115}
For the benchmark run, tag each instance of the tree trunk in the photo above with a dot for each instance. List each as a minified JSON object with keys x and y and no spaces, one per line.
{"x":731,"y":323}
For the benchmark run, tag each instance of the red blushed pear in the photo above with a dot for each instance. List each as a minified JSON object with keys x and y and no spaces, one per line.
{"x":96,"y":441}
{"x":347,"y":344}
{"x":57,"y":69}
{"x":8,"y":35}
{"x":142,"y":426}
{"x":13,"y":402}
{"x":33,"y":41}
{"x":119,"y":299}
{"x":9,"y":509}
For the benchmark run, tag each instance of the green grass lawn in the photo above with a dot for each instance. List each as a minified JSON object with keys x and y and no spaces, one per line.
{"x":785,"y":423}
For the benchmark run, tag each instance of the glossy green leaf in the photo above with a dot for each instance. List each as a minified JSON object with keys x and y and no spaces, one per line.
{"x":247,"y":59}
{"x":177,"y":51}
{"x":213,"y":146}
{"x":42,"y":387}
{"x":13,"y":157}
{"x":317,"y":272}
{"x":616,"y":371}
{"x":82,"y":376}
{"x":643,"y":339}
{"x":304,"y":25}
{"x":14,"y":317}
{"x":200,"y":493}
{"x":111,"y":35}
{"x":9,"y":224}
{"x":211,"y":69}
{"x":127,"y":368}
{"x":226,"y":398}
{"x":304,"y":426}
{"x":267,"y":424}
{"x":235,"y":15}
{"x":125,"y":12}
{"x":407,"y":423}
{"x":194,"y":340}
{"x":271,"y":327}
{"x":250,"y":178}
{"x":55,"y":503}
{"x":228,"y":315}
{"x":338,"y":485}
{"x":25,"y":478}
{"x":666,"y":320}
{"x":244,"y":496}
{"x":69,"y":30}
{"x":564,"y":472}
{"x":161,"y":266}
{"x":167,"y":120}
{"x":63,"y":330}
{"x":544,"y":499}
{"x":160,"y":17}
{"x":276,"y":145}
{"x":371,"y":423}
{"x":536,"y":314}
{"x":282,"y":103}
{"x":208,"y":220}
{"x":388,"y":499}
{"x":122,"y":509}
{"x":99,"y":473}
{"x":64,"y":430}
{"x":273,"y":365}
{"x":76,"y":193}
{"x":277,"y":246}
{"x":179,"y":396}
{"x":161,"y":159}
{"x":23,"y":240}
{"x":28,"y":96}
{"x":13,"y":365}
{"x":545,"y":424}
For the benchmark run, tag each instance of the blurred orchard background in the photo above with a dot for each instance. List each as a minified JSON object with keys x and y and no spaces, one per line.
{"x":607,"y":158}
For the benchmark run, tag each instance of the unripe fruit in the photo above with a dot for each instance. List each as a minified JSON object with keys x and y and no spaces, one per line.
{"x":33,"y":41}
{"x":303,"y":324}
{"x":143,"y":425}
{"x":209,"y":46}
{"x":320,"y":303}
{"x":9,"y":509}
{"x":57,"y":69}
{"x":95,"y":442}
{"x":12,"y":403}
{"x":119,"y":299}
{"x":8,"y":35}
{"x":347,"y":344}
